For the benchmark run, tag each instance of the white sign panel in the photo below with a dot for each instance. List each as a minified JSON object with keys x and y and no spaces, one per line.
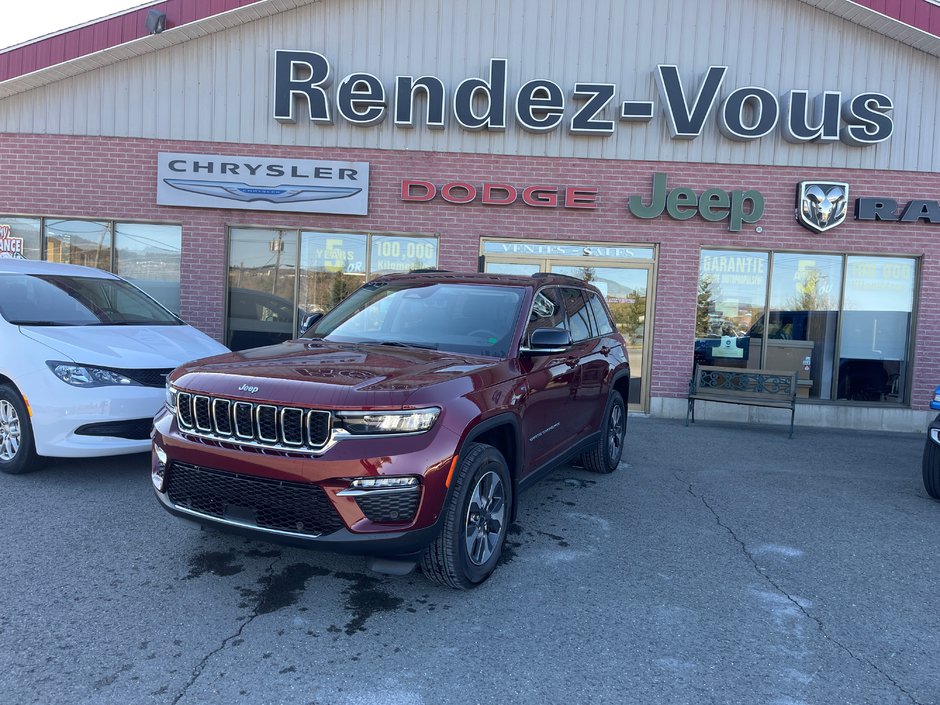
{"x":262,"y":184}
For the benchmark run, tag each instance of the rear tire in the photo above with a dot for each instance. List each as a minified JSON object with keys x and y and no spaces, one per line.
{"x":476,"y":520}
{"x":605,"y":456}
{"x":17,"y":450}
{"x":932,"y":469}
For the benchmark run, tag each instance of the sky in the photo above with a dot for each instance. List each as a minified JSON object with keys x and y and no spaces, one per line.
{"x":23,"y":21}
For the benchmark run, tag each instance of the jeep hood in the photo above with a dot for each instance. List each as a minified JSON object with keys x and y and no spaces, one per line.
{"x":330,"y":374}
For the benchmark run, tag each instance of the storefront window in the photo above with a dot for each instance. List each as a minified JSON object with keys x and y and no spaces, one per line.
{"x":332,"y":265}
{"x":261,"y":277}
{"x":876,"y":328}
{"x":732,"y":292}
{"x":20,"y":238}
{"x":84,"y":242}
{"x":148,"y":256}
{"x":803,"y":323}
{"x":847,"y":340}
{"x":278,"y":277}
{"x":392,"y":253}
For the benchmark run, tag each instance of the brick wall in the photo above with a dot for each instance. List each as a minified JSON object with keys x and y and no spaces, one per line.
{"x":116,"y":178}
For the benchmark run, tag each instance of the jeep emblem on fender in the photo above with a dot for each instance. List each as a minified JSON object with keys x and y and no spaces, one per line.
{"x":821,"y":205}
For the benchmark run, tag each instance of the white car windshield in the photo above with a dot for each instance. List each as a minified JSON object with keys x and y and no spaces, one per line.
{"x":56,"y":300}
{"x":462,"y":318}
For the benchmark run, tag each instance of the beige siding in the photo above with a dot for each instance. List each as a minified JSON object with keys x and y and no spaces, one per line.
{"x":219,"y":87}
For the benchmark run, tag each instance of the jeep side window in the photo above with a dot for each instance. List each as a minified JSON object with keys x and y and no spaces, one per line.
{"x":579,"y":321}
{"x":548,"y":311}
{"x":602,"y":323}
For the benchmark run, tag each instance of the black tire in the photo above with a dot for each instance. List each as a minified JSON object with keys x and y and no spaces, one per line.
{"x":17,"y":450}
{"x":932,"y":469}
{"x":471,"y":542}
{"x":605,"y":456}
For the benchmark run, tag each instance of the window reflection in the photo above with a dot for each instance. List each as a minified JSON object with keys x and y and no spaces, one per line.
{"x":802,"y":326}
{"x":732,"y":291}
{"x":149,"y":256}
{"x":84,"y":242}
{"x":261,"y":278}
{"x":873,"y":349}
{"x":846,"y":341}
{"x":20,"y":238}
{"x":278,"y":277}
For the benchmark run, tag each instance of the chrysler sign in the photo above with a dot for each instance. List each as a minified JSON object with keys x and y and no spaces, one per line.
{"x":262,"y":184}
{"x":303,"y":87}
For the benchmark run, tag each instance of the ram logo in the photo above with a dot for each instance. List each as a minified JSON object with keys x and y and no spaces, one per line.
{"x":821,"y":205}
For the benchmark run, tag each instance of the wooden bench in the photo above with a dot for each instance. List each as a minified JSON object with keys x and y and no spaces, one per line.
{"x":738,"y":385}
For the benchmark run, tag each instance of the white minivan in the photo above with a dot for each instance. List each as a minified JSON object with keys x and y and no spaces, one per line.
{"x":84,"y":357}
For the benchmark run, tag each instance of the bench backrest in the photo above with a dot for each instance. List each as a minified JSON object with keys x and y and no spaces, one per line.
{"x":743,"y":383}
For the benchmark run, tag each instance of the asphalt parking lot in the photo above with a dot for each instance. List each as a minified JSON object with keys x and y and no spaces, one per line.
{"x":720,"y":564}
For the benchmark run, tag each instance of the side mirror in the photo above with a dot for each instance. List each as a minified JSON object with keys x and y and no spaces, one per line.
{"x":548,"y":341}
{"x":308,"y":321}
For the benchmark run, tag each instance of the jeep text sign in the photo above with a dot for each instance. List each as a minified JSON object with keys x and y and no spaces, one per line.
{"x":262,"y":184}
{"x":303,"y":85}
{"x":713,"y":204}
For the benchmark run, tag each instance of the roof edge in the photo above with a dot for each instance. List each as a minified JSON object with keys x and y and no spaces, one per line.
{"x":147,"y":44}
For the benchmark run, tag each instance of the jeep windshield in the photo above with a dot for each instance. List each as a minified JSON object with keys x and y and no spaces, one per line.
{"x":61,"y":300}
{"x":462,"y":318}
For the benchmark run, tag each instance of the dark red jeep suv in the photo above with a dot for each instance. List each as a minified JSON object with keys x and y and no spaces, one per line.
{"x":404,"y":423}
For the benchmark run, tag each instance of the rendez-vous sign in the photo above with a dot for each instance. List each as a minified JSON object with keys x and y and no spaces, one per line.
{"x":303,"y":80}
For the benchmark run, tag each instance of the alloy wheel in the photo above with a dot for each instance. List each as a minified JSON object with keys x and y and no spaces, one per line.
{"x":615,"y":432}
{"x":486,"y":518}
{"x":10,"y":431}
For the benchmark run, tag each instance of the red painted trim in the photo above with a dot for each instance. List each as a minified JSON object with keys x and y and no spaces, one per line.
{"x":917,"y":13}
{"x":104,"y":34}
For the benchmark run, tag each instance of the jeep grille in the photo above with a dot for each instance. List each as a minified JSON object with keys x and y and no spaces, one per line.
{"x":248,"y":423}
{"x":291,"y":507}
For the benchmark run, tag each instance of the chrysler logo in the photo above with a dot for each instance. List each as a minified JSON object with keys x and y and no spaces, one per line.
{"x":821,"y":205}
{"x":285,"y":193}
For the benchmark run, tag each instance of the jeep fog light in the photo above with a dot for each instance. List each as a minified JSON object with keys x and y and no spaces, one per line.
{"x":388,"y":422}
{"x":376,"y":482}
{"x":158,"y":467}
{"x":364,"y":485}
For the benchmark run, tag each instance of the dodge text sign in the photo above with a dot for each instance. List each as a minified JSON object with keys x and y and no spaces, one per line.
{"x":262,"y":184}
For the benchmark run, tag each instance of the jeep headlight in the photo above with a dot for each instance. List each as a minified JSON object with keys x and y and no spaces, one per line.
{"x":88,"y":376}
{"x":171,"y":394}
{"x":388,"y":422}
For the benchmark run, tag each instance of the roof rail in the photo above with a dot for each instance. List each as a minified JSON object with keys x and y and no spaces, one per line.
{"x":426,"y":270}
{"x":545,"y":275}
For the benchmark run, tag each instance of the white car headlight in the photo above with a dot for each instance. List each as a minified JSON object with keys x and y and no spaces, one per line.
{"x":171,"y":394}
{"x":87,"y":376}
{"x":389,"y":422}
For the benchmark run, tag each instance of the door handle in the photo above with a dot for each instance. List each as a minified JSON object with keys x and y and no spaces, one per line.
{"x":571,"y":361}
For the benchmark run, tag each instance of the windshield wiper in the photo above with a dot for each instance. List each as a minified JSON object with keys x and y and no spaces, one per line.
{"x":44,"y":323}
{"x":399,"y":344}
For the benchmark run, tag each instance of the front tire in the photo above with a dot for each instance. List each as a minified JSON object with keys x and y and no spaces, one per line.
{"x":17,"y":451}
{"x":476,"y":520}
{"x":932,"y":469}
{"x":605,"y":456}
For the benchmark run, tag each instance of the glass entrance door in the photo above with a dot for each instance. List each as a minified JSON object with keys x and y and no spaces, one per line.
{"x":623,"y":274}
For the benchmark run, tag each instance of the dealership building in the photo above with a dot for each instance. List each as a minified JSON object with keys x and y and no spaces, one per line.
{"x":750,"y":183}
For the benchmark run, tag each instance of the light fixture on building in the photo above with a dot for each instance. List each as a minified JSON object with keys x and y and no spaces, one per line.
{"x":156,"y":21}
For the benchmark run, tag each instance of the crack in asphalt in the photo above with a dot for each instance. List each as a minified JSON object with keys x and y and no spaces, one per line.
{"x":199,"y":667}
{"x":779,"y":589}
